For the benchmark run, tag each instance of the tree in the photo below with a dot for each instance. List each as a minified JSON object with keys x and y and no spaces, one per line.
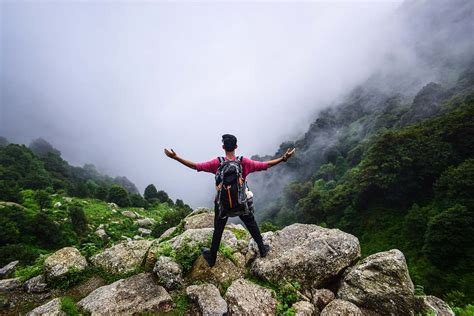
{"x":119,"y":196}
{"x":43,"y":199}
{"x":47,"y":232}
{"x":150,"y":192}
{"x":102,"y":193}
{"x":450,"y":237}
{"x":164,"y":198}
{"x":137,"y":201}
{"x":78,"y":219}
{"x":41,"y":148}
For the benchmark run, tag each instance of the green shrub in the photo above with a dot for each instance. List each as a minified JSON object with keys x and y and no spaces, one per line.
{"x":78,"y":219}
{"x":27,"y":272}
{"x":69,"y":307}
{"x":119,"y":196}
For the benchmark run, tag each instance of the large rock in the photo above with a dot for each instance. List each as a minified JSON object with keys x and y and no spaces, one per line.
{"x":303,"y":308}
{"x":246,"y":298}
{"x":8,"y":270}
{"x":201,"y":236}
{"x":169,"y":273}
{"x":62,"y":261}
{"x":123,"y":257}
{"x":341,"y":308}
{"x":208,"y":299}
{"x":129,"y":214}
{"x":168,"y":232}
{"x":8,"y":285}
{"x":221,"y":274}
{"x":381,"y":282}
{"x":52,"y":308}
{"x":134,"y":295}
{"x":309,"y":254}
{"x":431,"y":305}
{"x":202,"y":220}
{"x":36,"y":284}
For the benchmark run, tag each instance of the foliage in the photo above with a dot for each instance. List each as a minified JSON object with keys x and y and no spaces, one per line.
{"x":43,"y":199}
{"x":150,"y":193}
{"x":119,"y":196}
{"x":78,"y":219}
{"x":268,"y":227}
{"x":69,"y":307}
{"x":170,"y":219}
{"x":27,"y":272}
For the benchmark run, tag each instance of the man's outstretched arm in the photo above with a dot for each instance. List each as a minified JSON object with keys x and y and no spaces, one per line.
{"x":289,"y":152}
{"x":170,"y":153}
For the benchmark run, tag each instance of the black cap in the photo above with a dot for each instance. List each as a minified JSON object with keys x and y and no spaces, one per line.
{"x":229,"y":141}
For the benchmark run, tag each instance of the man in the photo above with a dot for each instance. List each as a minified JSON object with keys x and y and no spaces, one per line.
{"x":229,"y":144}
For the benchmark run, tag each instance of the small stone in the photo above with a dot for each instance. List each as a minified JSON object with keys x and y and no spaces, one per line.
{"x":146,"y":222}
{"x":144,"y":231}
{"x":52,"y":308}
{"x":169,"y":273}
{"x":129,"y":214}
{"x":321,"y":297}
{"x":57,"y":205}
{"x":303,"y":308}
{"x":208,"y":299}
{"x":36,"y":284}
{"x":8,"y":270}
{"x":101,"y":233}
{"x":341,"y":308}
{"x":8,"y":285}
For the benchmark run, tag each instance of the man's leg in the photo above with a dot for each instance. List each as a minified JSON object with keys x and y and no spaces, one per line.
{"x":219,"y":224}
{"x":252,"y":226}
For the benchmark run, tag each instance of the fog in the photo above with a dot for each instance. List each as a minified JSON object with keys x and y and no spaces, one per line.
{"x":113,"y":83}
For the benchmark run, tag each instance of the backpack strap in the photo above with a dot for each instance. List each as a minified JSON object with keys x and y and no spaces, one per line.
{"x":221,"y":159}
{"x":240,"y":158}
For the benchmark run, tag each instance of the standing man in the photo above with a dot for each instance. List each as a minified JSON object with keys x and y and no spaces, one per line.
{"x":229,"y":144}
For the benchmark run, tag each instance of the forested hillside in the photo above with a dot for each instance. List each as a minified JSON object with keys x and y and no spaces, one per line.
{"x":395,"y":174}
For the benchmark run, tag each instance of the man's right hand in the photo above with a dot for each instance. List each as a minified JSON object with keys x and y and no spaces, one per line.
{"x":170,"y":153}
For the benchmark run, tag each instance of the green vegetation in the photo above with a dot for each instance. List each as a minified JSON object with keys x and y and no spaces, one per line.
{"x":69,"y":307}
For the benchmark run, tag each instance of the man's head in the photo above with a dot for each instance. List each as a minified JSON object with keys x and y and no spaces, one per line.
{"x":229,"y":142}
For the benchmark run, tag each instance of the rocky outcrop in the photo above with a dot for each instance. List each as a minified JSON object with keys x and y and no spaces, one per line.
{"x":52,"y":308}
{"x":341,"y":308}
{"x":36,"y":284}
{"x":62,"y":261}
{"x":202,"y":220}
{"x":134,"y":295}
{"x":309,"y":254}
{"x":303,"y":308}
{"x":8,"y":285}
{"x":8,"y":270}
{"x":208,"y":299}
{"x":169,"y":273}
{"x":431,"y":305}
{"x":123,"y":257}
{"x":381,"y":282}
{"x":246,"y":298}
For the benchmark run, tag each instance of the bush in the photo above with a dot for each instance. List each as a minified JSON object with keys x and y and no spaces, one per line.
{"x":102,"y":193}
{"x":43,"y":199}
{"x":78,"y":219}
{"x":150,"y":192}
{"x":450,"y":237}
{"x":119,"y":196}
{"x":47,"y":232}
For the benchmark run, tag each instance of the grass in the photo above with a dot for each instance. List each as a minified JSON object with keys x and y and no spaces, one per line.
{"x":69,"y":307}
{"x":28,"y":272}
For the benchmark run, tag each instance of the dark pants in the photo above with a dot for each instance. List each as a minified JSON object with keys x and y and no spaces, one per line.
{"x":219,"y":225}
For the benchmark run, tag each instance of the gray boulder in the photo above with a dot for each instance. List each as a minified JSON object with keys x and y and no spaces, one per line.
{"x":62,"y":261}
{"x":169,"y":273}
{"x":201,"y":236}
{"x":36,"y":284}
{"x":321,"y":297}
{"x":8,"y":285}
{"x":303,"y":308}
{"x":168,"y":232}
{"x":432,"y":305}
{"x":221,"y":274}
{"x":146,"y":222}
{"x":123,"y":257}
{"x":8,"y":270}
{"x":201,"y":220}
{"x":246,"y":298}
{"x":134,"y":295}
{"x":128,"y":214}
{"x":208,"y":299}
{"x":381,"y":283}
{"x":341,"y":308}
{"x":52,"y":308}
{"x":144,"y":231}
{"x":309,"y":254}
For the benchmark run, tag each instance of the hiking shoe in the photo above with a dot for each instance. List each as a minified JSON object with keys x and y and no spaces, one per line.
{"x":265,"y":250}
{"x":210,"y":259}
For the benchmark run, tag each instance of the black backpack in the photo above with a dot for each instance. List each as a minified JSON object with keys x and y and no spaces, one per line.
{"x":231,"y":196}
